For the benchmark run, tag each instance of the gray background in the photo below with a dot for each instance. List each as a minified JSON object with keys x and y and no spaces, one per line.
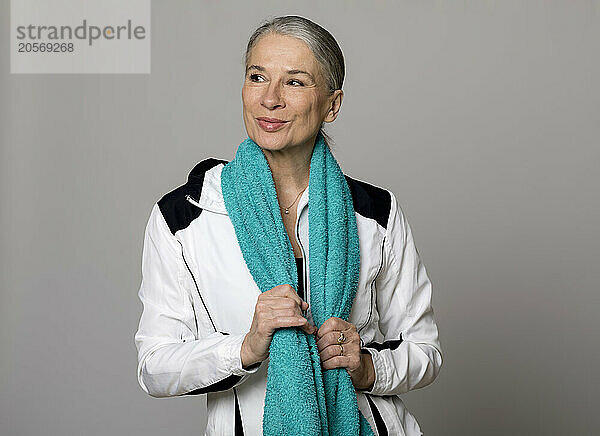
{"x":482,"y":116}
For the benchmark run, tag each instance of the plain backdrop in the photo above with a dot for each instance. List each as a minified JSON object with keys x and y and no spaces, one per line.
{"x":481,"y":116}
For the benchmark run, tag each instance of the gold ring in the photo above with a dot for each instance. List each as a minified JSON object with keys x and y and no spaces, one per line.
{"x":342,"y":338}
{"x":341,"y":349}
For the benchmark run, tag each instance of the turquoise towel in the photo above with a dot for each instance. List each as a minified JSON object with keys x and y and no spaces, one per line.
{"x":301,"y":399}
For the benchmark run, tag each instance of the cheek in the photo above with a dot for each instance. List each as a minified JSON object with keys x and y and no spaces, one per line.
{"x":249,"y":97}
{"x":307,"y":107}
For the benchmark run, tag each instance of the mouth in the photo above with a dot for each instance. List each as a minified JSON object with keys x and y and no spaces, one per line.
{"x":270,"y":124}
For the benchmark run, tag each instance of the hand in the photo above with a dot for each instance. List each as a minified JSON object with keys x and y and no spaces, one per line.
{"x":278,"y":307}
{"x":359,"y":365}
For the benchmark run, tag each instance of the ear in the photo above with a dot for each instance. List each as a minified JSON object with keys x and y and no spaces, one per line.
{"x":335,"y":103}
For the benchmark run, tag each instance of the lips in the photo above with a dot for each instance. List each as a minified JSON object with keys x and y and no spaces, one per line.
{"x":269,"y":124}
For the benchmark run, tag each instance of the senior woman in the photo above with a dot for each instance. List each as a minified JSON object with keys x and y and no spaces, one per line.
{"x":288,"y":292}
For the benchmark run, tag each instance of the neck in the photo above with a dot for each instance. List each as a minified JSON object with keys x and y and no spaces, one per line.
{"x":290,"y":168}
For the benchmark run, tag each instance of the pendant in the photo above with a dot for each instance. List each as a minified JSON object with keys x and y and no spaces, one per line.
{"x":287,"y":210}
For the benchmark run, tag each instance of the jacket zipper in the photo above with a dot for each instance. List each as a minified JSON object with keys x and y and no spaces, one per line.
{"x":189,"y":198}
{"x":306,"y":293}
{"x":198,"y":290}
{"x":195,"y":203}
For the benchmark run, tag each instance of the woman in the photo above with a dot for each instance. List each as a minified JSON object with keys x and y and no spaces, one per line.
{"x":277,"y":260}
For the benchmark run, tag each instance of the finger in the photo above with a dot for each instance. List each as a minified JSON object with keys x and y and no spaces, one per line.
{"x":308,"y":328}
{"x":284,"y":312}
{"x":350,"y":359}
{"x":333,"y":350}
{"x":337,"y":362}
{"x":311,"y":329}
{"x":351,"y":363}
{"x":305,"y":325}
{"x":286,"y":321}
{"x":286,"y":290}
{"x":277,"y":302}
{"x":332,"y":324}
{"x":331,"y":338}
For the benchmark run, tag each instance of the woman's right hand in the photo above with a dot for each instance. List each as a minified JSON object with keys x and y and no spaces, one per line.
{"x":275,"y":308}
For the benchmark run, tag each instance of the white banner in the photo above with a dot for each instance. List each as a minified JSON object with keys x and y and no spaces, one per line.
{"x":80,"y":36}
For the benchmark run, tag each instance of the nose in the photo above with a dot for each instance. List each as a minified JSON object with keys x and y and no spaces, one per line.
{"x":272,"y":98}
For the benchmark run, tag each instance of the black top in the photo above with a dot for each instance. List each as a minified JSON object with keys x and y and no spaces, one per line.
{"x":300,"y":265}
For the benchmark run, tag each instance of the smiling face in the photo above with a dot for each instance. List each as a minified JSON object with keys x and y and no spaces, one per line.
{"x":285,"y":96}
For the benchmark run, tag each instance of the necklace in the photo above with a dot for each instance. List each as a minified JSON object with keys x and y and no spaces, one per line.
{"x":287,"y":209}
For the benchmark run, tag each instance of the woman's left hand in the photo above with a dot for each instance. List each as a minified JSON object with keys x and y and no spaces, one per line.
{"x":335,"y":332}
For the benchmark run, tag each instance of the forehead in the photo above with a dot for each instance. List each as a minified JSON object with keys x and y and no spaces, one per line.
{"x":281,"y":51}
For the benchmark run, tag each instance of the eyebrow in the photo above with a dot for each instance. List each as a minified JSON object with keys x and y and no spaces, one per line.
{"x":256,"y":67}
{"x":299,"y":72}
{"x":293,"y":71}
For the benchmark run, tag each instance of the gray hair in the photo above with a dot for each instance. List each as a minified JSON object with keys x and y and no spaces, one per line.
{"x":321,"y":43}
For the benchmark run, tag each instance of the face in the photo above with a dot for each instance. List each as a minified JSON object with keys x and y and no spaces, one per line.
{"x":285,"y":96}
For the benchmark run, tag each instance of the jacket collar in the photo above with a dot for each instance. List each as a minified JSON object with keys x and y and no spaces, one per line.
{"x":211,"y":195}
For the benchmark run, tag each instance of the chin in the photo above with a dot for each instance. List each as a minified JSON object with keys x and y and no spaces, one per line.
{"x":270,"y":141}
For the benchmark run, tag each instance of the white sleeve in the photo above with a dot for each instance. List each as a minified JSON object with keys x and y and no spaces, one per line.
{"x":410,"y":356}
{"x":170,"y":361}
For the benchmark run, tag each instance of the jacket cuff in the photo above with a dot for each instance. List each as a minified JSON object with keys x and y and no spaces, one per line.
{"x":381,"y":377}
{"x":232,"y":357}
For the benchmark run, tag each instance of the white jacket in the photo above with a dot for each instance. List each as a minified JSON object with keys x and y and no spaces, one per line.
{"x":199,"y":297}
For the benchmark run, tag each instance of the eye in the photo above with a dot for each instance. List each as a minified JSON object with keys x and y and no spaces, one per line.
{"x":254,"y":77}
{"x":296,"y":81}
